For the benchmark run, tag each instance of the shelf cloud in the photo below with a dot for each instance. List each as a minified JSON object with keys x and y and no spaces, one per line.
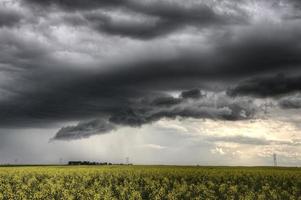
{"x":110,"y":64}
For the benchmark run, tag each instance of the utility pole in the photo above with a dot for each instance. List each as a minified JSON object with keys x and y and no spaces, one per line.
{"x":127,"y":160}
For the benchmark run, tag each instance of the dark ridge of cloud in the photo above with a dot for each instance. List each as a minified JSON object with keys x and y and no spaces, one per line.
{"x":64,"y":95}
{"x":66,"y":104}
{"x":139,"y":113}
{"x":9,"y":18}
{"x":290,"y":102}
{"x":84,"y":130}
{"x":223,"y":109}
{"x":232,"y":57}
{"x":271,"y":86}
{"x":194,"y":94}
{"x":128,"y":117}
{"x":85,"y":97}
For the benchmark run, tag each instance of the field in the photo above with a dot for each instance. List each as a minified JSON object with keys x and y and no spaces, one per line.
{"x":149,"y":182}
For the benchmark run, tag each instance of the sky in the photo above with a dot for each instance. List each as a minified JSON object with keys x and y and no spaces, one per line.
{"x":193,"y":82}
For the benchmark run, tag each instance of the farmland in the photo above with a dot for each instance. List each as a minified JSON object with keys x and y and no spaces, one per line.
{"x":149,"y":182}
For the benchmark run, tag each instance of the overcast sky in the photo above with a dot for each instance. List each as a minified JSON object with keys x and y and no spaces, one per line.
{"x":158,"y":81}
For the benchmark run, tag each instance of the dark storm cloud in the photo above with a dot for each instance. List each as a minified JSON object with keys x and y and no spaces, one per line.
{"x":78,"y":95}
{"x":233,"y":57}
{"x":46,"y":85}
{"x":267,"y":86}
{"x":259,"y":52}
{"x":203,"y":109}
{"x":63,"y":100}
{"x":144,"y":111}
{"x":84,"y":130}
{"x":249,"y":52}
{"x":8,"y":17}
{"x":194,"y":93}
{"x":62,"y":95}
{"x":220,"y":107}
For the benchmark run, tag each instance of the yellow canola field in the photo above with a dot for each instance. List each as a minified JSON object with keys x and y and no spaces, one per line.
{"x":149,"y":182}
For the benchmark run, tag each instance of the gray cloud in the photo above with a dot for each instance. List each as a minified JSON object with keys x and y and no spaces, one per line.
{"x":144,"y":111}
{"x":9,"y":17}
{"x":267,"y":86}
{"x":77,"y":95}
{"x":84,"y":130}
{"x":162,"y":17}
{"x":232,"y":57}
{"x":170,"y":101}
{"x":252,"y":140}
{"x":126,"y":79}
{"x":290,"y":102}
{"x":167,"y":18}
{"x":166,"y":101}
{"x":241,"y":140}
{"x":194,"y":93}
{"x":224,"y":108}
{"x":78,"y":4}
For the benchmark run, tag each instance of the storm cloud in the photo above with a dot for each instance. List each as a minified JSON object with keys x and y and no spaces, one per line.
{"x":267,"y":86}
{"x":9,"y":18}
{"x":144,"y":111}
{"x":84,"y":130}
{"x":108,"y":64}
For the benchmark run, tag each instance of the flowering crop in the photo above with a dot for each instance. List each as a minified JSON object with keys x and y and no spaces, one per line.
{"x":149,"y":182}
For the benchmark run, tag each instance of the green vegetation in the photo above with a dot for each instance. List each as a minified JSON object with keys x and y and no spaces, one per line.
{"x":149,"y":182}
